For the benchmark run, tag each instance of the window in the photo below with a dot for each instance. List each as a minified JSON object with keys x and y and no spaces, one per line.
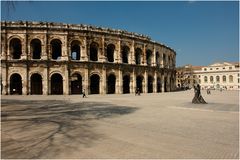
{"x":217,"y":79}
{"x":210,"y":68}
{"x":224,"y":79}
{"x":205,"y":69}
{"x":205,"y":79}
{"x":211,"y":79}
{"x":223,"y":67}
{"x":216,"y":68}
{"x":230,"y":67}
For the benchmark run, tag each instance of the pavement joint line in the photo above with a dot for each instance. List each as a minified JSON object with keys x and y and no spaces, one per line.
{"x":204,"y":110}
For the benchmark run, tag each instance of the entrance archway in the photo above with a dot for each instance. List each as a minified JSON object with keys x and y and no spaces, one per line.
{"x":94,"y":84}
{"x":56,"y":84}
{"x":139,"y":83}
{"x":126,"y":84}
{"x":36,"y":84}
{"x":15,"y":84}
{"x":159,"y":85}
{"x":150,"y":84}
{"x":165,"y":84}
{"x":16,"y":48}
{"x":76,"y":84}
{"x":111,"y":81}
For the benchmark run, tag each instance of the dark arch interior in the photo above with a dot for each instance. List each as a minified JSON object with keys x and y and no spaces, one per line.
{"x":139,"y":83}
{"x":16,"y":84}
{"x":16,"y":48}
{"x":36,"y":48}
{"x":159,"y":85}
{"x":126,"y":84}
{"x":94,"y":84}
{"x":110,"y":53}
{"x":111,"y":81}
{"x":149,"y":57}
{"x":93,"y":52}
{"x":56,"y":49}
{"x":76,"y":84}
{"x":138,"y":53}
{"x":150,"y":84}
{"x":36,"y":84}
{"x":125,"y":51}
{"x":56,"y":84}
{"x":75,"y":51}
{"x":165,"y":84}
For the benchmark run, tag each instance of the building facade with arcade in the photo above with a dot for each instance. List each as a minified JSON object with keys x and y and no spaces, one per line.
{"x":56,"y":58}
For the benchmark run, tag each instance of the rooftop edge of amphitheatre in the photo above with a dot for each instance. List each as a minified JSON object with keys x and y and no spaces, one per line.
{"x":83,"y":27}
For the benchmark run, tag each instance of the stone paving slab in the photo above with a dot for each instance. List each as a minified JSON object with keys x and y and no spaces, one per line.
{"x":150,"y":126}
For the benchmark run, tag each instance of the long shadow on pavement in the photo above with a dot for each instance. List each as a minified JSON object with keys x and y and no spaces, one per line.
{"x":36,"y":129}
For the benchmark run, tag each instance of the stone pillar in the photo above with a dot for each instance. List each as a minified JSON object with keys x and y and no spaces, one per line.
{"x":120,"y":84}
{"x":85,"y":81}
{"x":168,"y":83}
{"x":155,"y":82}
{"x":145,"y":86}
{"x":4,"y":81}
{"x":119,"y":54}
{"x":44,"y":45}
{"x":103,"y":81}
{"x":24,"y":82}
{"x":161,"y":60}
{"x":102,"y":56}
{"x":163,"y":82}
{"x":24,"y":47}
{"x":84,"y":48}
{"x":133,"y":82}
{"x":65,"y":51}
{"x":144,"y":61}
{"x":154,"y":63}
{"x":45,"y":80}
{"x":66,"y":81}
{"x":132,"y":53}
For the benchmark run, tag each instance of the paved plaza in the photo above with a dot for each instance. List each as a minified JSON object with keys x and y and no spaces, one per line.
{"x":164,"y":125}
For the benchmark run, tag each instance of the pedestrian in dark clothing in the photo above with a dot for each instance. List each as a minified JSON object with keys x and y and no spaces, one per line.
{"x":84,"y":94}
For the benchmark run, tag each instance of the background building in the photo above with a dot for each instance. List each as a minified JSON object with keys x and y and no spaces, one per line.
{"x":215,"y":76}
{"x":56,"y":58}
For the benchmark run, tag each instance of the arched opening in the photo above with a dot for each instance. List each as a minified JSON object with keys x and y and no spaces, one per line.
{"x":126,"y":84}
{"x":36,"y":49}
{"x":164,"y":60}
{"x":16,"y":48}
{"x":110,"y":52}
{"x":94,"y":84}
{"x":157,"y":59}
{"x":56,"y":48}
{"x":125,"y":52}
{"x":36,"y":84}
{"x":15,"y":84}
{"x":149,"y":57}
{"x":150,"y":84}
{"x":159,"y":85}
{"x":76,"y":84}
{"x":165,"y":84}
{"x":75,"y":50}
{"x":139,"y":83}
{"x":111,"y":81}
{"x":56,"y":84}
{"x":138,"y":53}
{"x":94,"y":51}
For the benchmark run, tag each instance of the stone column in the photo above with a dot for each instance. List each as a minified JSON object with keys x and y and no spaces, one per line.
{"x":154,"y":63}
{"x":161,"y":60}
{"x":120,"y":85}
{"x":145,"y":86}
{"x":144,"y":61}
{"x":102,"y":56}
{"x":103,"y":81}
{"x":24,"y":82}
{"x":155,"y":82}
{"x":24,"y":47}
{"x":65,"y":51}
{"x":117,"y":54}
{"x":133,"y":82}
{"x":163,"y":82}
{"x":4,"y":81}
{"x":132,"y":53}
{"x":66,"y":81}
{"x":85,"y":81}
{"x":45,"y":80}
{"x":84,"y":49}
{"x":44,"y":45}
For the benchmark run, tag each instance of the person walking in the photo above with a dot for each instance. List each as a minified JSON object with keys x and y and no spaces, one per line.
{"x":84,"y":93}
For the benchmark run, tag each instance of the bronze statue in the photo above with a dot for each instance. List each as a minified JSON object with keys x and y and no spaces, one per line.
{"x":198,"y":97}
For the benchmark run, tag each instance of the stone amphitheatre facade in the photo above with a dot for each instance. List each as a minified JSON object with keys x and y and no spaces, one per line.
{"x":55,"y":58}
